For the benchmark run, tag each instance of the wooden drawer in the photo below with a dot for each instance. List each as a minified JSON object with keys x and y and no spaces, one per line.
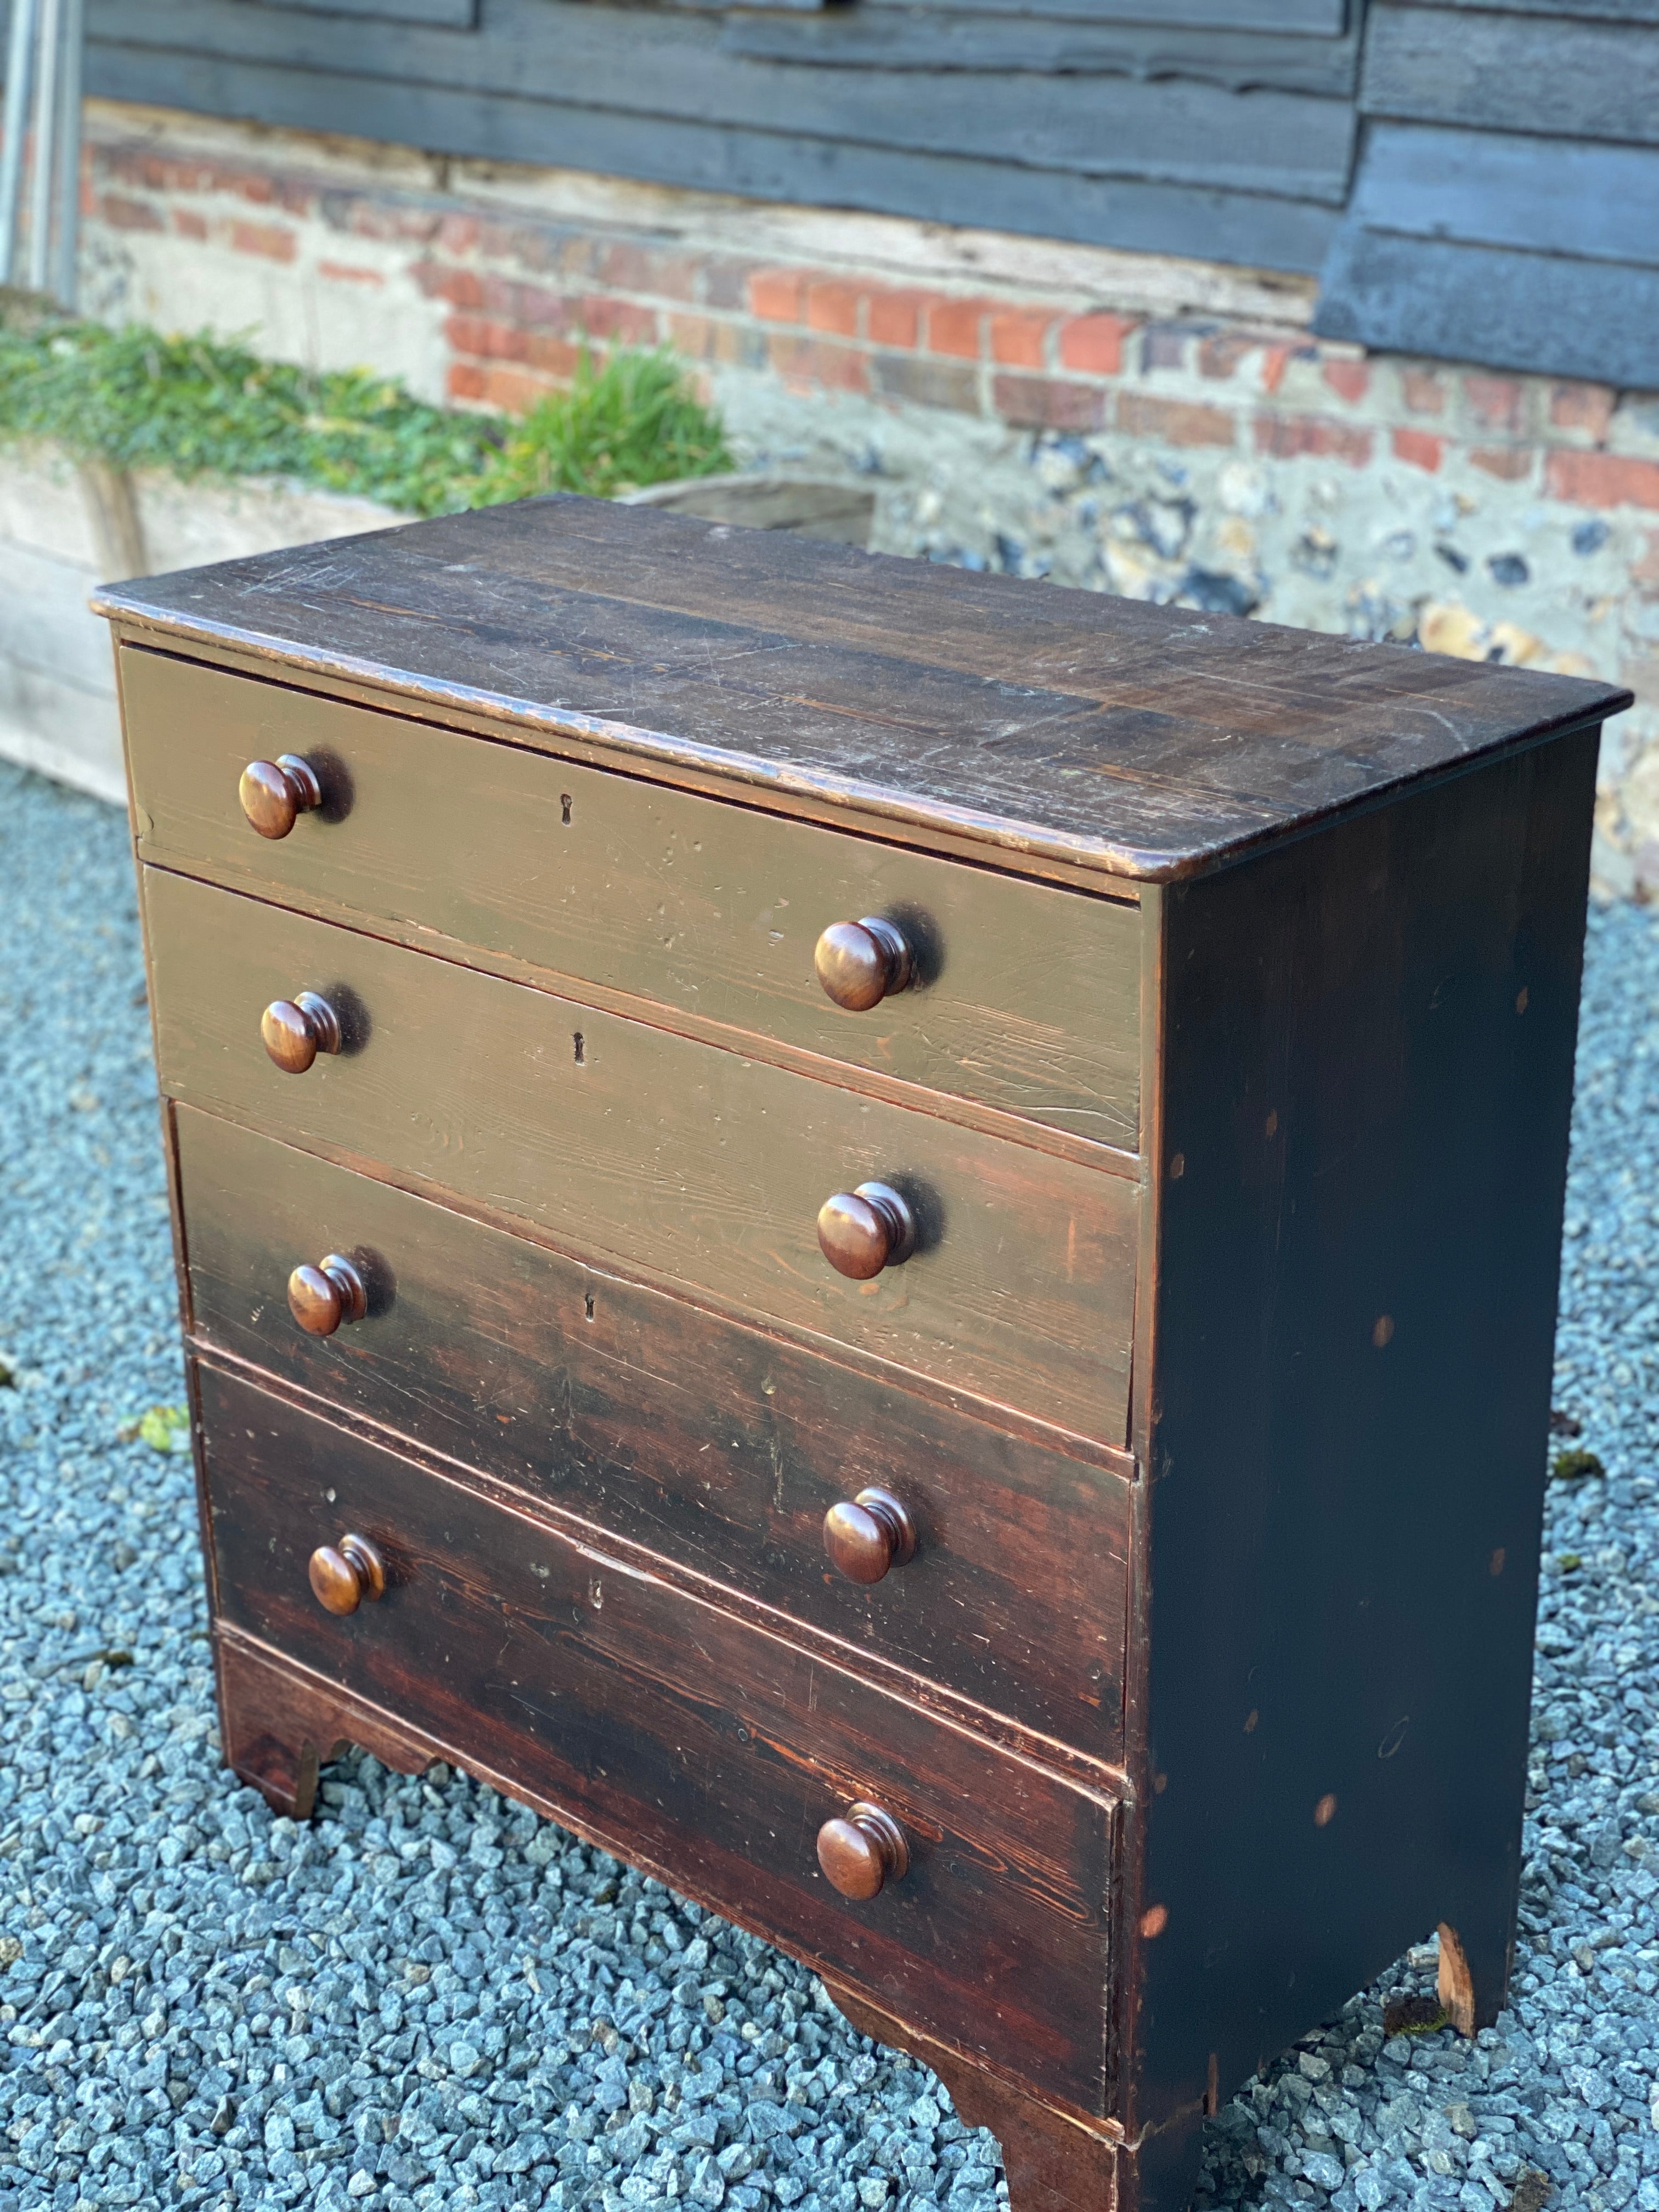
{"x":716,"y":1445}
{"x":697,"y":1745}
{"x":695,"y":1165}
{"x":494,"y":851}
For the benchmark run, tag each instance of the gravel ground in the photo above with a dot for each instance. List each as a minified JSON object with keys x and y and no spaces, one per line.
{"x":429,"y":1999}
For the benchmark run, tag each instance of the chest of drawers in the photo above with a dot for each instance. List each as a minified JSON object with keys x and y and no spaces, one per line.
{"x":888,"y":1239}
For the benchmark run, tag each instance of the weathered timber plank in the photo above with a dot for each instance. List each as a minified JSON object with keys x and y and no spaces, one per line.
{"x":933,"y":40}
{"x":1488,"y":68}
{"x":1537,"y":312}
{"x":1496,"y":188}
{"x":582,"y":56}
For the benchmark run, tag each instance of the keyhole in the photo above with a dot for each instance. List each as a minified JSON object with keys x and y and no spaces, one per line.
{"x":564,"y":807}
{"x":582,"y":1050}
{"x":588,"y":1301}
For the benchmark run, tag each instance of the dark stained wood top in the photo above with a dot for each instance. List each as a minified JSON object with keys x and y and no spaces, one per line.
{"x":1145,"y":742}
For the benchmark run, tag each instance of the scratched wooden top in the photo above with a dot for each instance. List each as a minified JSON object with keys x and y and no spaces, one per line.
{"x":1145,"y":742}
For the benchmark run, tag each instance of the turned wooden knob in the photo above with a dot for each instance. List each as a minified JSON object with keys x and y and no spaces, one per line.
{"x":861,"y":1232}
{"x":296,"y":1030}
{"x":866,"y":1535}
{"x":859,"y":964}
{"x":275,"y":793}
{"x":860,"y":1852}
{"x":321,"y":1298}
{"x":342,"y":1579}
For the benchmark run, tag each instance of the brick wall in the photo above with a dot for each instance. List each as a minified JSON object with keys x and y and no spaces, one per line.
{"x":1165,"y":430}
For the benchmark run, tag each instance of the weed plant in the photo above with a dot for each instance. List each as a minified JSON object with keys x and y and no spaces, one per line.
{"x":198,"y":406}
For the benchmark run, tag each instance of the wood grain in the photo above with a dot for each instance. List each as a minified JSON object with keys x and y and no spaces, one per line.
{"x":1146,"y":742}
{"x":637,"y":1144}
{"x":712,"y":910}
{"x":716,"y":1446}
{"x":1437,"y":65}
{"x":696,"y":1744}
{"x":1345,"y":1503}
{"x":1564,"y":313}
{"x":586,"y":65}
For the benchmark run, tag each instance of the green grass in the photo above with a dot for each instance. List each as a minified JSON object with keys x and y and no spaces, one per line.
{"x":200,"y":407}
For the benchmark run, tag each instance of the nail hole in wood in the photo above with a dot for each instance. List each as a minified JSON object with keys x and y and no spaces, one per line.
{"x":582,"y":1050}
{"x":564,"y":807}
{"x":588,"y":1303}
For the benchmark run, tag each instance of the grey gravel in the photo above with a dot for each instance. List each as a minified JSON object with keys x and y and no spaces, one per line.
{"x":429,"y":1999}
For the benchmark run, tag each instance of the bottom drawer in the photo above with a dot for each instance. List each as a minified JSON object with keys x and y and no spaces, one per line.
{"x":687,"y":1741}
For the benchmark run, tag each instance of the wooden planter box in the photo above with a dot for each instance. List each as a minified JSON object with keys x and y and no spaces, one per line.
{"x":65,"y":528}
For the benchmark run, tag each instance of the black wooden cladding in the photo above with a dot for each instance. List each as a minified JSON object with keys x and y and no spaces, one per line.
{"x":1455,"y":206}
{"x":1487,"y":224}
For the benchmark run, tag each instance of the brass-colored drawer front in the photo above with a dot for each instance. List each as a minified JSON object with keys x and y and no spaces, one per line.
{"x":683,"y":1432}
{"x":691,"y":1741}
{"x":624,"y":1141}
{"x":494,"y":851}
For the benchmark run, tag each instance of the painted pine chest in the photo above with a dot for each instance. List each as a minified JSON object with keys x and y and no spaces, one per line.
{"x":888,"y":1239}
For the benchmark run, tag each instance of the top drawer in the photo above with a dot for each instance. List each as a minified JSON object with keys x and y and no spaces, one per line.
{"x":1028,"y":996}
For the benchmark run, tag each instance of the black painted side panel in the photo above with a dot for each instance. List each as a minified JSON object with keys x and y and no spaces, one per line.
{"x":1358,"y":1256}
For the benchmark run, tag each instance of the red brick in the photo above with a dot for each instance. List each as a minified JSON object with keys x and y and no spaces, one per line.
{"x":632,"y":267}
{"x":123,"y":214}
{"x":704,"y":338}
{"x":624,"y":321}
{"x":1589,"y":479}
{"x":554,"y":356}
{"x":361,"y":217}
{"x":485,"y":338}
{"x":1220,"y":353}
{"x":189,"y":224}
{"x":1094,"y":344}
{"x":465,"y":380}
{"x":953,"y":326}
{"x":778,"y":295}
{"x":271,"y":242}
{"x":514,"y":391}
{"x":726,"y":283}
{"x":1423,"y":392}
{"x":1420,"y":448}
{"x":893,"y":317}
{"x":1166,"y":345}
{"x":1510,"y":464}
{"x":1274,"y":362}
{"x":1177,"y":421}
{"x":832,"y":305}
{"x":1349,"y":379}
{"x":535,"y":305}
{"x":1048,"y":403}
{"x":818,"y":364}
{"x":924,"y":383}
{"x":341,"y":272}
{"x":1587,"y":407}
{"x":1494,"y":400}
{"x":459,"y":234}
{"x":439,"y":280}
{"x":1285,"y":437}
{"x":1019,"y":337}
